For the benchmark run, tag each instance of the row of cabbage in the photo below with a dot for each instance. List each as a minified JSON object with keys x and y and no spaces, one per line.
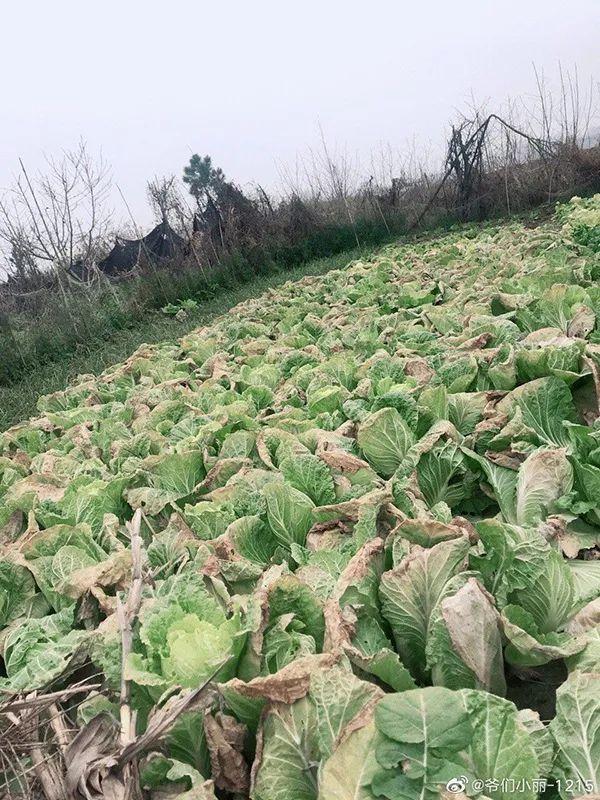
{"x":370,"y":508}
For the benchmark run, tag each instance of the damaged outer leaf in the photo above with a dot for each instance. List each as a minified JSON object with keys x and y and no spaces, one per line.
{"x":225,"y":738}
{"x":289,"y":684}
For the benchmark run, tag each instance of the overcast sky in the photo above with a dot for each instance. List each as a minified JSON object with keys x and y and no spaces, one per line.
{"x":249,"y":82}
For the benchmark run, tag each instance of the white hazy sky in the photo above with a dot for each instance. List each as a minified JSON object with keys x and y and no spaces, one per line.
{"x":248,"y":82}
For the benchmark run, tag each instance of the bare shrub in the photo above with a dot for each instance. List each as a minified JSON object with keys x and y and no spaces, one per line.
{"x":57,"y":217}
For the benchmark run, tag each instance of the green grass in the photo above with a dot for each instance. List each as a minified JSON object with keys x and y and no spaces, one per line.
{"x":18,"y":400}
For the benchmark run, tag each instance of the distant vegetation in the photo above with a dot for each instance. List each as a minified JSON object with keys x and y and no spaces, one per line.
{"x":58,"y":298}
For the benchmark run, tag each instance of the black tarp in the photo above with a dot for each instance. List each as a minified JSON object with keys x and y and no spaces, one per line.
{"x":161,"y":244}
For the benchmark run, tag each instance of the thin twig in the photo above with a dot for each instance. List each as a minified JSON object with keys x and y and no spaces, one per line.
{"x":126,"y":615}
{"x":60,"y":731}
{"x":43,"y":699}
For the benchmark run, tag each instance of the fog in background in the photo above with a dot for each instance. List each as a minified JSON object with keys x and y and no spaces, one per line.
{"x":250,"y":82}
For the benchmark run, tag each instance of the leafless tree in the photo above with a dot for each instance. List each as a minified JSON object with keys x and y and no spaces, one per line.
{"x":168,"y":203}
{"x":58,"y":216}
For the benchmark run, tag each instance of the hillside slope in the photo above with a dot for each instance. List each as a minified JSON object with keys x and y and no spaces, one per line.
{"x":364,"y":506}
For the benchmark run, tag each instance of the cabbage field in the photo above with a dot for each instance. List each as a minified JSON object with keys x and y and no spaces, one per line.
{"x":341,"y":544}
